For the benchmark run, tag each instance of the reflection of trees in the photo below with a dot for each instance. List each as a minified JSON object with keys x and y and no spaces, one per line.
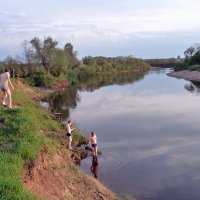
{"x":157,"y":70}
{"x":193,"y":87}
{"x":95,"y":82}
{"x":62,"y":101}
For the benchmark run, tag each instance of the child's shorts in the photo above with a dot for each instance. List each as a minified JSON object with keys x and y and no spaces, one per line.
{"x":69,"y":134}
{"x":94,"y":145}
{"x":3,"y":87}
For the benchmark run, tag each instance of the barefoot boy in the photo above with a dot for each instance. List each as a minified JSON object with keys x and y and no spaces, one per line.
{"x":69,"y":133}
{"x":93,"y":142}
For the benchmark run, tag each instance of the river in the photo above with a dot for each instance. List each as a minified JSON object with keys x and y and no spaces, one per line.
{"x":149,"y":134}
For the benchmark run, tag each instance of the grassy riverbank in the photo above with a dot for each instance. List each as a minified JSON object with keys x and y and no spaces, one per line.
{"x":28,"y":134}
{"x":21,"y":141}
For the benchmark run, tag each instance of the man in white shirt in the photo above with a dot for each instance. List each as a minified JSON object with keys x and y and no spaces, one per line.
{"x":4,"y":86}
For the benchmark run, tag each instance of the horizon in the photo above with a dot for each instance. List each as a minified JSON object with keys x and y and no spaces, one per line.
{"x":146,"y":30}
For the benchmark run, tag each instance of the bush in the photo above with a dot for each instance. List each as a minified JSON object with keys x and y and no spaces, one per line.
{"x":79,"y":137}
{"x":182,"y":66}
{"x":37,"y":79}
{"x":49,"y":80}
{"x":72,"y":76}
{"x":194,"y":68}
{"x":40,"y":79}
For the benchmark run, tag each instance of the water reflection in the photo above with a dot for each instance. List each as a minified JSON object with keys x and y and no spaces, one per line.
{"x":149,"y":135}
{"x":60,"y":102}
{"x":94,"y":167}
{"x":95,"y":82}
{"x":193,"y":87}
{"x":160,"y":70}
{"x":148,"y":132}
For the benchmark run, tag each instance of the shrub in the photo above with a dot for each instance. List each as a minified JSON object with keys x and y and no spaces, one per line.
{"x":72,"y":76}
{"x":79,"y":137}
{"x":40,"y":79}
{"x":49,"y":80}
{"x":37,"y":79}
{"x":194,"y":68}
{"x":182,"y":66}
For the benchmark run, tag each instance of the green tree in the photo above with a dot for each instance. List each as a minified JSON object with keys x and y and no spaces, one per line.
{"x":11,"y":62}
{"x":59,"y":63}
{"x":16,"y":64}
{"x":195,"y":59}
{"x":71,"y":55}
{"x":189,"y":52}
{"x":45,"y":51}
{"x":29,"y":56}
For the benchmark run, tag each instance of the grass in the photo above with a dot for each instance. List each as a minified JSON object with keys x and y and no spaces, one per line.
{"x":194,"y":68}
{"x":78,"y":137}
{"x":21,"y":141}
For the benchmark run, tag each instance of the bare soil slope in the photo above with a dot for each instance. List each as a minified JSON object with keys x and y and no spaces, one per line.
{"x":57,"y":178}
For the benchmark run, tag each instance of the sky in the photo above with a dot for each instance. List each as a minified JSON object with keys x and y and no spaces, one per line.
{"x":142,"y":28}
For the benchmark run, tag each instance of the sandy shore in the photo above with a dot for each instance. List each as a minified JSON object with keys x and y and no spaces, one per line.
{"x":187,"y":75}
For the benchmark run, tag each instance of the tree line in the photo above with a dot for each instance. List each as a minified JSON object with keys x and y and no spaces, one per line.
{"x":114,"y":64}
{"x":43,"y":63}
{"x":192,"y":59}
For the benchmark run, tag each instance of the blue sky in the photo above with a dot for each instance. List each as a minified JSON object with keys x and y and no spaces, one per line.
{"x":142,"y":28}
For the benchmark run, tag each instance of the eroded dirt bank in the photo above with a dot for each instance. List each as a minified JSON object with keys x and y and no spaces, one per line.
{"x":56,"y":177}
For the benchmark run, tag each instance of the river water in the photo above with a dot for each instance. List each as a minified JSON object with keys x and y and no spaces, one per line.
{"x":149,"y":134}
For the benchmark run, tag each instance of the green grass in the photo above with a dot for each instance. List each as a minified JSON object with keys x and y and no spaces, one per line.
{"x":21,"y":141}
{"x":79,"y":137}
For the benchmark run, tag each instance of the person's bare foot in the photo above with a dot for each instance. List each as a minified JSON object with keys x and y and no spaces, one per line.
{"x":3,"y":102}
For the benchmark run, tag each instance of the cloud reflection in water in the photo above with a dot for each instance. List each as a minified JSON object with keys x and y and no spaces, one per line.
{"x":151,"y":129}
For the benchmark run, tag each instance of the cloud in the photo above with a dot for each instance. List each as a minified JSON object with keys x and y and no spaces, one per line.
{"x":179,"y":159}
{"x":93,"y":25}
{"x":11,"y":15}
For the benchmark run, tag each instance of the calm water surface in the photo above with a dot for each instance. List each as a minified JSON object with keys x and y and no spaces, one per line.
{"x":149,"y":133}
